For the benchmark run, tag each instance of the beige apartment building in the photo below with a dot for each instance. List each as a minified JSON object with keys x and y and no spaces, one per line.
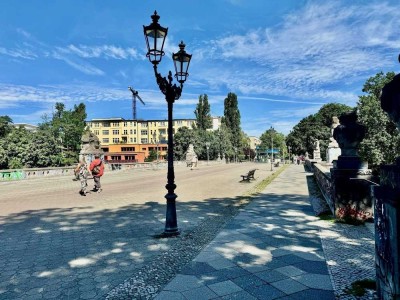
{"x":120,"y":131}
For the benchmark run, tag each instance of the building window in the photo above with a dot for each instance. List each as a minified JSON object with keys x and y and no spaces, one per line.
{"x":96,"y":132}
{"x":125,"y":124}
{"x":179,"y":122}
{"x":115,"y":131}
{"x":143,"y":140}
{"x":129,"y":157}
{"x":134,"y":131}
{"x":106,"y":132}
{"x":96,"y":124}
{"x":134,"y":140}
{"x":162,"y":123}
{"x":115,"y":157}
{"x":143,"y":132}
{"x":125,"y":131}
{"x":131,"y":140}
{"x":131,"y":131}
{"x":143,"y":125}
{"x":106,"y":140}
{"x":106,"y":124}
{"x":115,"y":140}
{"x":115,"y":124}
{"x":126,"y":149}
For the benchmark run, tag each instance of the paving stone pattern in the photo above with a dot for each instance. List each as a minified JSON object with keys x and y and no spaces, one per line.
{"x":104,"y":247}
{"x":55,"y":244}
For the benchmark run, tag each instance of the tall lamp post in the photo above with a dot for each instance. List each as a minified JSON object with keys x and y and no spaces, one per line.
{"x":208,"y":148}
{"x":155,"y":36}
{"x":290,"y":158}
{"x":156,"y":142}
{"x":272,"y":146}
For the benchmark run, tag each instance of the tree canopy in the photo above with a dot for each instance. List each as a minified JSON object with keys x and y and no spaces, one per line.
{"x":317,"y":126}
{"x":381,"y":144}
{"x":202,"y":113}
{"x":55,"y":143}
{"x":231,"y":119}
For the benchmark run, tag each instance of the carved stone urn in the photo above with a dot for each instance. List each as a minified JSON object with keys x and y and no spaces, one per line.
{"x":349,"y":134}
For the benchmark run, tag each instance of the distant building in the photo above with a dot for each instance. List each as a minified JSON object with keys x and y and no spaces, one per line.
{"x":254,"y":142}
{"x":216,"y":123}
{"x":120,"y":131}
{"x":132,"y":140}
{"x":28,"y":127}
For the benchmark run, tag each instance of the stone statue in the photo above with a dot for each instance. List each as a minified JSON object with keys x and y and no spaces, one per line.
{"x":191,"y":157}
{"x":90,"y":146}
{"x":317,"y":150}
{"x":316,"y":145}
{"x":332,"y":142}
{"x":333,"y":151}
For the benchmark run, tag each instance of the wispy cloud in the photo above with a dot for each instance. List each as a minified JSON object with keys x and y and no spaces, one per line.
{"x":102,"y":51}
{"x":320,"y":45}
{"x":18,"y":53}
{"x":79,"y":57}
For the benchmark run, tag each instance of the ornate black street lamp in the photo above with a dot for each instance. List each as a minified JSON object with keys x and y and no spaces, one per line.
{"x":155,"y":36}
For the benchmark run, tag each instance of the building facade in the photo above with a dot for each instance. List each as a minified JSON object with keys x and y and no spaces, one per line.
{"x":113,"y":131}
{"x":132,"y":140}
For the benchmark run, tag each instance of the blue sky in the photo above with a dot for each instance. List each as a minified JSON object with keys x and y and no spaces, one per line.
{"x":283,"y":59}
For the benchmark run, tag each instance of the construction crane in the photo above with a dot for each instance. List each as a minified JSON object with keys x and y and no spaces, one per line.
{"x":135,"y":95}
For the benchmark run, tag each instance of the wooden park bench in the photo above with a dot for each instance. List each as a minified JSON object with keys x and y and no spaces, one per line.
{"x":249,"y":175}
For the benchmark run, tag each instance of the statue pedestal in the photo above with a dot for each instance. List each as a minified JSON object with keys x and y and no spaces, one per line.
{"x":351,"y":181}
{"x":332,"y":154}
{"x":317,"y":155}
{"x":387,"y":230}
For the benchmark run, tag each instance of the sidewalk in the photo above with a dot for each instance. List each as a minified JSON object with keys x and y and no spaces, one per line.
{"x":270,"y":250}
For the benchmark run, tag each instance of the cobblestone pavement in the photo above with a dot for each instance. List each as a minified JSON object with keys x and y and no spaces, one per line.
{"x":349,"y":251}
{"x":56,"y":244}
{"x":270,"y":250}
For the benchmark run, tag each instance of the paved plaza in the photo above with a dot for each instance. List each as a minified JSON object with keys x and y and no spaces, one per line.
{"x":56,"y":244}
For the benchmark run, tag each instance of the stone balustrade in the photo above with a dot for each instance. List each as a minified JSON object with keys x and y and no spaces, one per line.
{"x":30,"y":173}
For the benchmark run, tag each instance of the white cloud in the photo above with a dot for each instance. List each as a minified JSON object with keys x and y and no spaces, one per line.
{"x":308,"y":53}
{"x":18,"y":53}
{"x":102,"y":51}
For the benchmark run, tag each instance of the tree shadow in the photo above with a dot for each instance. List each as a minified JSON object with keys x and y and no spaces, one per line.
{"x":70,"y":252}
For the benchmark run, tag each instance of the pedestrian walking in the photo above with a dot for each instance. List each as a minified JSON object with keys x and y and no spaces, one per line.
{"x":97,"y":169}
{"x":82,"y":173}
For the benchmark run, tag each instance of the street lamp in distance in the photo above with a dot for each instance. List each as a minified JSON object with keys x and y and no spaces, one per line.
{"x":155,"y":36}
{"x":272,"y":146}
{"x":208,"y":148}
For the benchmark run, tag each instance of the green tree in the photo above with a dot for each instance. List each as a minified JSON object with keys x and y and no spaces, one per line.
{"x":67,"y":127}
{"x":273,"y":139}
{"x":317,"y":126}
{"x":182,"y":138}
{"x":152,"y":156}
{"x":223,"y":142}
{"x":19,"y":144}
{"x":231,"y":119}
{"x":381,"y":144}
{"x":202,"y":112}
{"x":5,"y":126}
